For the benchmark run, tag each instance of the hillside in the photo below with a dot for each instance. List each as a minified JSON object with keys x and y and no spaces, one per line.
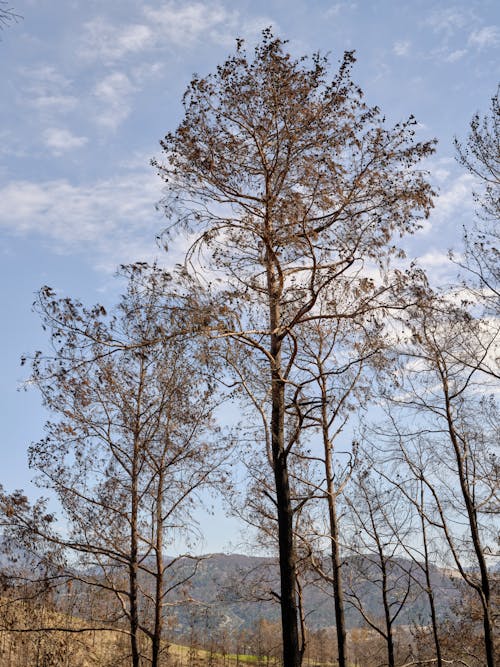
{"x":236,"y":591}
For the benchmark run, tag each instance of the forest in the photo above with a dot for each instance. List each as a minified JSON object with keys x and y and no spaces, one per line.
{"x":294,"y":364}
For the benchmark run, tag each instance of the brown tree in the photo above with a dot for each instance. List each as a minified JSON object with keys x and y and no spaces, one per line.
{"x":128,"y":447}
{"x":480,"y":155}
{"x":334,"y":361}
{"x":378,"y":521}
{"x":406,"y":462}
{"x":442,"y":392}
{"x":288,"y":182}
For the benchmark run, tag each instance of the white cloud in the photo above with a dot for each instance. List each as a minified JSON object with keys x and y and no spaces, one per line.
{"x":402,"y":48}
{"x":442,"y":168}
{"x":338,"y":7}
{"x":59,"y":103}
{"x":457,"y":197}
{"x":454,"y":56}
{"x":440,"y":270}
{"x":111,"y":221}
{"x":45,"y":76}
{"x":113,"y":93}
{"x":173,"y":24}
{"x":435,"y":258}
{"x":488,"y":36}
{"x":108,"y":42}
{"x":47,"y":89}
{"x":182,"y":24}
{"x":60,"y":140}
{"x":454,"y":204}
{"x":447,"y":21}
{"x":441,"y":174}
{"x":147,"y":71}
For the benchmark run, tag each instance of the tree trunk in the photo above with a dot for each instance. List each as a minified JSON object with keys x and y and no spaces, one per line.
{"x":483,"y":589}
{"x":291,"y":648}
{"x":134,"y":539}
{"x":158,"y":618}
{"x":489,"y":640}
{"x":428,"y":582}
{"x":288,"y":574}
{"x":338,"y":594}
{"x":134,"y":611}
{"x":387,"y":614}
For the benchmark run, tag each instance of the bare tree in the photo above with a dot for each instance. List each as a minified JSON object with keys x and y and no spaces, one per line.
{"x":405,"y":462}
{"x":334,"y":381}
{"x":288,"y":182}
{"x":378,"y":520}
{"x":128,"y":448}
{"x":443,"y":393}
{"x":480,"y":155}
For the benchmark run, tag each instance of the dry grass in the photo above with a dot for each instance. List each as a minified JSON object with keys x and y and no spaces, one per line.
{"x":25,"y":643}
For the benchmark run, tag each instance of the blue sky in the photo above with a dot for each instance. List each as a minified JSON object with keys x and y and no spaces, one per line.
{"x":89,"y":88}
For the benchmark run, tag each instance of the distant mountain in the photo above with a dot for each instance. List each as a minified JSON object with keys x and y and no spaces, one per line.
{"x":236,"y":591}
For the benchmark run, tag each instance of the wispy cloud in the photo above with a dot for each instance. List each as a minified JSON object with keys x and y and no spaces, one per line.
{"x":484,"y":37}
{"x":108,"y":222}
{"x":46,"y":89}
{"x":109,"y":42}
{"x":178,"y":24}
{"x":60,"y":140}
{"x":337,"y":7}
{"x":402,"y":48}
{"x":171,"y":25}
{"x":184,"y":23}
{"x":439,"y":268}
{"x":448,"y":20}
{"x":455,"y":56}
{"x":55,"y":103}
{"x":113,"y":93}
{"x":68,"y":216}
{"x":147,"y":71}
{"x":456,"y":196}
{"x":454,"y":205}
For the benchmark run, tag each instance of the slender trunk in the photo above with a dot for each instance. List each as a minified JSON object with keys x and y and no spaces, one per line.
{"x":484,"y":589}
{"x":134,"y":537}
{"x":387,"y":613}
{"x":158,"y":617}
{"x":385,"y":595}
{"x":338,"y":594}
{"x":291,"y":648}
{"x":489,"y":640}
{"x":288,"y":594}
{"x":304,"y":643}
{"x":133,"y":584}
{"x":428,"y":582}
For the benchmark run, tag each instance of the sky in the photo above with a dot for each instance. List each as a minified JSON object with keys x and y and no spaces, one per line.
{"x":87,"y":90}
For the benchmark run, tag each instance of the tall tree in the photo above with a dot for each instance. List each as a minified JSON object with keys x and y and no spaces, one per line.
{"x":288,"y":181}
{"x":128,"y":447}
{"x":378,"y":521}
{"x":443,"y":391}
{"x":480,"y":155}
{"x":407,"y":463}
{"x":333,"y":361}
